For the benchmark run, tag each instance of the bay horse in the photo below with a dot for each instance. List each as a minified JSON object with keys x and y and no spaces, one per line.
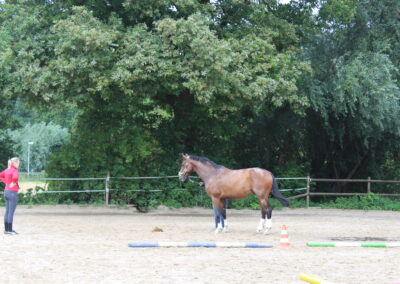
{"x":222,"y":183}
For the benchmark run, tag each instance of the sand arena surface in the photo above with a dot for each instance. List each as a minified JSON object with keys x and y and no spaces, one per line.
{"x":70,"y":244}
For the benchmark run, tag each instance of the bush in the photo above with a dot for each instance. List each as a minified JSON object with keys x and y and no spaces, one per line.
{"x":368,"y":202}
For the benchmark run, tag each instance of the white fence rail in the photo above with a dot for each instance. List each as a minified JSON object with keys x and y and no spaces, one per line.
{"x":107,"y":180}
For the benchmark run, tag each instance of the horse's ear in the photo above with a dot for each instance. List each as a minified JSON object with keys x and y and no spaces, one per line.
{"x":185,"y":156}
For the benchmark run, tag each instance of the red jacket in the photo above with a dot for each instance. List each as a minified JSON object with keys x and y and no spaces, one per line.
{"x":9,"y":176}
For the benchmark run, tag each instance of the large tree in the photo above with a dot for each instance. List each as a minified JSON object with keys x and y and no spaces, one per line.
{"x":354,"y":91}
{"x":153,"y":79}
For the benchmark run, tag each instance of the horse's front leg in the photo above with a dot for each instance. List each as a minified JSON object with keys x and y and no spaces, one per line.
{"x":218,"y":217}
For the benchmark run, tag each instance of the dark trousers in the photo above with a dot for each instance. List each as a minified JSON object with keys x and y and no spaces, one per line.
{"x":11,"y":198}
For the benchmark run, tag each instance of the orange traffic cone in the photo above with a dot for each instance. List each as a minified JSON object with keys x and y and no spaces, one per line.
{"x":284,"y":243}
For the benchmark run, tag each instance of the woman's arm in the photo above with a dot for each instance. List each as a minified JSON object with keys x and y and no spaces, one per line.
{"x":2,"y":176}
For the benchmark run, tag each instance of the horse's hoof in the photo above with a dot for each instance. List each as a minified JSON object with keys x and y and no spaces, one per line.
{"x":266,"y":232}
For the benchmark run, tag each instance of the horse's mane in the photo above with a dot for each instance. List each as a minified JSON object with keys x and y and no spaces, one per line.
{"x":205,"y":160}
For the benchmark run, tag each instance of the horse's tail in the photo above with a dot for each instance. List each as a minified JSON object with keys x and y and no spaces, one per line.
{"x":277,"y":194}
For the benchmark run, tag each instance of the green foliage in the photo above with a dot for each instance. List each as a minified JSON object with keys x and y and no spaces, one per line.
{"x":301,"y":203}
{"x":45,"y":138}
{"x":354,"y":91}
{"x":22,"y":113}
{"x":250,"y":202}
{"x":337,"y":14}
{"x":288,"y":87}
{"x":368,"y":202}
{"x":366,"y":90}
{"x":6,"y":148}
{"x":142,"y":89}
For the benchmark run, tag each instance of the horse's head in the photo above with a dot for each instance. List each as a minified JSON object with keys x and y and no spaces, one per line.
{"x":186,"y":169}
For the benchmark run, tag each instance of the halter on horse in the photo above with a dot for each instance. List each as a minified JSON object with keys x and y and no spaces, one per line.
{"x":222,"y":183}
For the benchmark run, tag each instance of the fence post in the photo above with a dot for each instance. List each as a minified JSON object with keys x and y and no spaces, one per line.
{"x":107,"y":190}
{"x":369,"y":185}
{"x":308,"y":191}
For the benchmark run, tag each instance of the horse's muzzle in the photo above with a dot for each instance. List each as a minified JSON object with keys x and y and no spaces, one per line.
{"x":183,"y":177}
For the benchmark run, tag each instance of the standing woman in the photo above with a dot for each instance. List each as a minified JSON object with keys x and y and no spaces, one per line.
{"x":10,"y":178}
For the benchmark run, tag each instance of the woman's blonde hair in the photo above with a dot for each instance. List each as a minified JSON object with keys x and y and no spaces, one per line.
{"x":13,"y":161}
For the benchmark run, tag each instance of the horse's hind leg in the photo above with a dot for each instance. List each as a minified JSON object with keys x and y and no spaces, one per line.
{"x":263,"y":207}
{"x":266,"y":211}
{"x":268,"y":221}
{"x":224,"y":208}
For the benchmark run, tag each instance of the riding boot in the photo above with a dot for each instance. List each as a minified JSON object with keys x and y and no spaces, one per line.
{"x":12,"y":232}
{"x":7,"y":228}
